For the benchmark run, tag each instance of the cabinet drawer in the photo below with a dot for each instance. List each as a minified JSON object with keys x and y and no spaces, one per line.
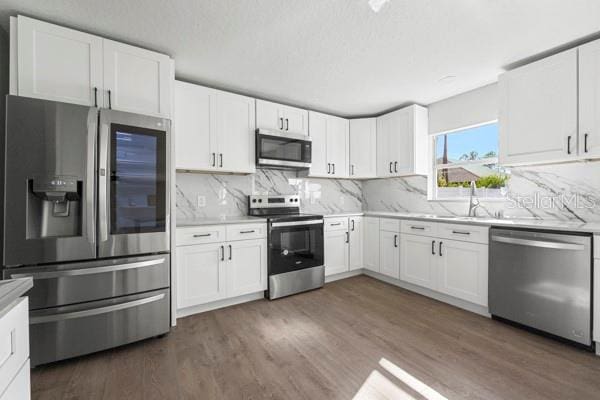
{"x":389,"y":224}
{"x":14,"y":342}
{"x":597,"y":246}
{"x":200,"y":235}
{"x":422,"y":228}
{"x":336,"y":224}
{"x":466,"y":233}
{"x":246,"y":231}
{"x":20,"y":387}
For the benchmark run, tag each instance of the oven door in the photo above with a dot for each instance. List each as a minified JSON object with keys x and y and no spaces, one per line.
{"x":279,"y":150}
{"x":295,"y":245}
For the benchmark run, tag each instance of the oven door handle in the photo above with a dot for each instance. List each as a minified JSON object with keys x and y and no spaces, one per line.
{"x":94,"y":311}
{"x":296,"y":223}
{"x":90,"y":270}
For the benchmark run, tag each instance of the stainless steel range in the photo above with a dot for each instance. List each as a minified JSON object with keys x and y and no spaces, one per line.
{"x":295,"y":257}
{"x":86,"y":214}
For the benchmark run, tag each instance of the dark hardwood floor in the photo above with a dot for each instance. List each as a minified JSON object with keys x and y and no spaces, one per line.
{"x":355,"y":337}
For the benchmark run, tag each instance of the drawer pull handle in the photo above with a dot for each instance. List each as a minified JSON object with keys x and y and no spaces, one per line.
{"x":252,"y":231}
{"x":420,"y":228}
{"x":461,"y":232}
{"x":335,"y":224}
{"x":202,"y":235}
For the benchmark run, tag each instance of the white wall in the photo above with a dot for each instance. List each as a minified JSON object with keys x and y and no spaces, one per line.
{"x":466,"y":109}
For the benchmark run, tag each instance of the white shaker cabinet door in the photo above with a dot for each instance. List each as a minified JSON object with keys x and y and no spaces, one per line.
{"x":371,"y":243}
{"x":235,"y":119}
{"x":589,"y":100}
{"x":363,"y":148}
{"x":418,"y":263}
{"x":355,"y":227}
{"x":337,"y":145}
{"x":336,"y":252}
{"x":137,"y":80}
{"x":389,"y":254}
{"x":201,"y":274}
{"x":538,"y":111}
{"x":246,"y":267}
{"x":295,"y":120}
{"x":193,"y":127}
{"x":60,"y":64}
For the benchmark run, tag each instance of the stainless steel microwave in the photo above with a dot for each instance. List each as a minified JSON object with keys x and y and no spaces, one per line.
{"x":282,"y":150}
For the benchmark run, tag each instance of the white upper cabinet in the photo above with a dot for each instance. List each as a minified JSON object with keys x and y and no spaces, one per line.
{"x":330,"y":137}
{"x":402,"y":142}
{"x":214,"y":130}
{"x":57,"y":63}
{"x":589,"y":100}
{"x":136,"y":80}
{"x":363,"y":148}
{"x":538,"y":111}
{"x":282,"y":118}
{"x":61,"y":64}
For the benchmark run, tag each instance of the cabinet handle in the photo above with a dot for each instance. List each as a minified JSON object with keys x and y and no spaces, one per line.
{"x":395,"y":240}
{"x":222,"y":253}
{"x":419,"y":228}
{"x":109,"y":100}
{"x":352,"y":172}
{"x":440,"y":249}
{"x":585,"y":146}
{"x":252,"y":231}
{"x":395,"y":166}
{"x":569,"y":144}
{"x":352,"y":225}
{"x":390,"y":167}
{"x":333,"y":165}
{"x":287,"y":124}
{"x":230,"y":252}
{"x":220,"y":160}
{"x":433,"y":247}
{"x":214,"y":156}
{"x":461,"y":232}
{"x":328,"y":168}
{"x":281,"y":123}
{"x":347,"y":237}
{"x":336,"y":224}
{"x":202,"y":235}
{"x":95,"y":96}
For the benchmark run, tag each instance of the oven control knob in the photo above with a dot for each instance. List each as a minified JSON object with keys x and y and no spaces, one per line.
{"x":291,"y":200}
{"x":296,"y":200}
{"x":260,"y":200}
{"x":254,"y":200}
{"x":285,"y":252}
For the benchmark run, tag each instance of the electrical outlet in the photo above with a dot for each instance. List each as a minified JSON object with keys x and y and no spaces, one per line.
{"x":201,"y":201}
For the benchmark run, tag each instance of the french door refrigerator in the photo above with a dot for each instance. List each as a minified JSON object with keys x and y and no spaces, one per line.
{"x":86,"y":214}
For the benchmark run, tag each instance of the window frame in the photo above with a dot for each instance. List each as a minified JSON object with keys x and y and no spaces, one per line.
{"x":432,"y":188}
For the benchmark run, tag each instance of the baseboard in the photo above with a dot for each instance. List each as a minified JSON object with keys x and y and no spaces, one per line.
{"x":343,"y":275}
{"x":184,"y":312}
{"x":465,"y":305}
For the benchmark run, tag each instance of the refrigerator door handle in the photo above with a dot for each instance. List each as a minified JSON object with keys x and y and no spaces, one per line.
{"x":90,"y":183}
{"x":103,"y":183}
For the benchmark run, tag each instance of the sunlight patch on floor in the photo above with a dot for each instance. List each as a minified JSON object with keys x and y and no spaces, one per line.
{"x":378,"y":387}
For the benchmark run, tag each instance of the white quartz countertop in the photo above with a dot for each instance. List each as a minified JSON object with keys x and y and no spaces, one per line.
{"x":504,"y":222}
{"x":346,"y":214}
{"x":12,"y":289}
{"x":243,"y":219}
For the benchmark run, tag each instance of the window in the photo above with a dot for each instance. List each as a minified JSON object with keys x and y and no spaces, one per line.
{"x":465,"y":155}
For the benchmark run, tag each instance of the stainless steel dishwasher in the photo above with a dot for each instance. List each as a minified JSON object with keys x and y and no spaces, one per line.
{"x":542,"y":280}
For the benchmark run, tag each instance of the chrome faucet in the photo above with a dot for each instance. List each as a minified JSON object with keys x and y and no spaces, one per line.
{"x":473,"y":201}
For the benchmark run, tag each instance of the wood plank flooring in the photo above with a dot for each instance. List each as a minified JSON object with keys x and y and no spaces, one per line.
{"x":355,"y":337}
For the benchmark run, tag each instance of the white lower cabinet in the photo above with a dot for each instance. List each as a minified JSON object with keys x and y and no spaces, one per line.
{"x":418,"y":262}
{"x":14,"y":352}
{"x":208,"y":272}
{"x":245,"y":269}
{"x":596,"y":291}
{"x":355,"y":228}
{"x":389,"y":253}
{"x":336,"y":252}
{"x":200,"y":274}
{"x":19,"y":387}
{"x":371,"y":243}
{"x":462,"y":270}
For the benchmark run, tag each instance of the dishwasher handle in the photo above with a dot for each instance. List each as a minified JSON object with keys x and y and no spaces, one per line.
{"x":547,"y":244}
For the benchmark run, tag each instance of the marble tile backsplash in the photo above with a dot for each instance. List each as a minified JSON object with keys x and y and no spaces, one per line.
{"x":226,"y":195}
{"x":569,"y":192}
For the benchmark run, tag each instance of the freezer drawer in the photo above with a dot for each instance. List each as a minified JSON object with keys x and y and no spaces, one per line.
{"x":70,"y":331}
{"x":542,"y":280}
{"x":64,"y":284}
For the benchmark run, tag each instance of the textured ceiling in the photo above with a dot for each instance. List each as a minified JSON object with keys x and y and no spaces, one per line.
{"x":332,"y":55}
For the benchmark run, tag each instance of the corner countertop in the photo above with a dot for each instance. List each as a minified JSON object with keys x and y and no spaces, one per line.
{"x":12,"y":289}
{"x":240,"y":219}
{"x":344,"y":214}
{"x":569,"y":226}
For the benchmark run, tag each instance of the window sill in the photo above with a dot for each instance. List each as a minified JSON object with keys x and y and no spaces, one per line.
{"x":466,"y":199}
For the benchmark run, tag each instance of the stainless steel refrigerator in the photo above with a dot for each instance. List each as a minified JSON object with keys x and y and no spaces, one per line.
{"x":86,"y":214}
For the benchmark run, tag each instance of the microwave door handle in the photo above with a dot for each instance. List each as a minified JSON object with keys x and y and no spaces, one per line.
{"x":90,"y":176}
{"x":103,"y":172}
